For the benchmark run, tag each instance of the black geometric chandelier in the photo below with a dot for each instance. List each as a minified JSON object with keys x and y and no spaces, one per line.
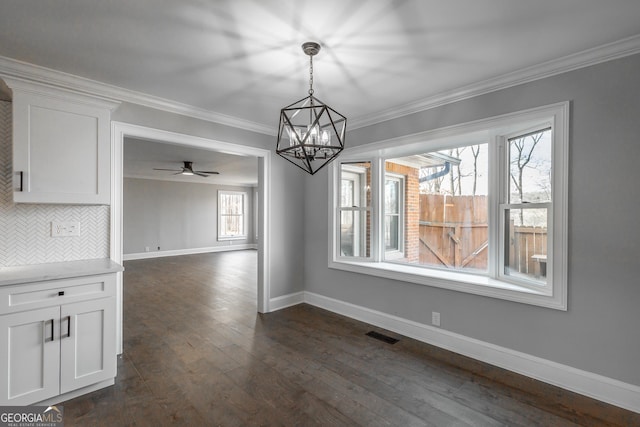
{"x":310,"y":133}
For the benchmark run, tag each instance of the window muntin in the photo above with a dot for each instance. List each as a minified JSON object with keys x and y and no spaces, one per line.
{"x":231,"y":215}
{"x":501,"y":278}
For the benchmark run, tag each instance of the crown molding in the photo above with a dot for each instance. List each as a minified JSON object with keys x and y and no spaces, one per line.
{"x":20,"y":70}
{"x":30,"y":72}
{"x":37,"y":88}
{"x":586,"y":58}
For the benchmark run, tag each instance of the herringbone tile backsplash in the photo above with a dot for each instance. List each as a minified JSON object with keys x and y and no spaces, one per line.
{"x":25,"y":229}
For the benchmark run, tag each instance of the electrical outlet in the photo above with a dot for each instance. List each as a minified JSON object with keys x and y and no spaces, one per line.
{"x":435,"y":318}
{"x":65,"y":228}
{"x":146,"y":248}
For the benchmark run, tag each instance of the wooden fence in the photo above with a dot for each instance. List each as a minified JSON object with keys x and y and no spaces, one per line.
{"x":454,"y":234}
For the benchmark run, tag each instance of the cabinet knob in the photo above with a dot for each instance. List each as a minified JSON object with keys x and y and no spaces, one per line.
{"x":60,"y":293}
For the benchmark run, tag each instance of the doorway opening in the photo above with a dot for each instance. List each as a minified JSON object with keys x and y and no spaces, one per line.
{"x":121,"y":131}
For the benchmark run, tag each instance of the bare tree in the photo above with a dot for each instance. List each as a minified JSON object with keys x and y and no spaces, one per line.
{"x":456,"y":175}
{"x":475,"y":150}
{"x":524,"y":152}
{"x":452,"y":178}
{"x":459,"y":151}
{"x":431,"y":186}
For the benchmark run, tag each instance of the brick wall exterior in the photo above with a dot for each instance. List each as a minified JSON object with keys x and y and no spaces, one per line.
{"x":411,"y":209}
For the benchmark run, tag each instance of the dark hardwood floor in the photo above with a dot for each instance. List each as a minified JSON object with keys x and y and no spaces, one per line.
{"x":197,"y":354}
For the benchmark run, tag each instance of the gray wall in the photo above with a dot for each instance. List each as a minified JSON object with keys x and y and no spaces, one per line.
{"x":599,"y":332}
{"x":286,"y":251}
{"x":175,"y":215}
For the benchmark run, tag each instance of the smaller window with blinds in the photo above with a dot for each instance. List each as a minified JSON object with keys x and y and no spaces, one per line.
{"x":232,"y":208}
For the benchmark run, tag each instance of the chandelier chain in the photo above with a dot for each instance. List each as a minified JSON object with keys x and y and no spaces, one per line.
{"x":310,"y":74}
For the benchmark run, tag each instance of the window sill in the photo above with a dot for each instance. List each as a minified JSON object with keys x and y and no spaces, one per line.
{"x":224,"y":239}
{"x":467,"y":283}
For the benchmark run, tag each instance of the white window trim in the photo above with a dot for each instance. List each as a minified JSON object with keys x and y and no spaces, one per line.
{"x":362,"y":207}
{"x":554,"y":295}
{"x":222,"y":237}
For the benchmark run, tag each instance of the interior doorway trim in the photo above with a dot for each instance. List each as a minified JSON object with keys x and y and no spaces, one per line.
{"x":121,"y":130}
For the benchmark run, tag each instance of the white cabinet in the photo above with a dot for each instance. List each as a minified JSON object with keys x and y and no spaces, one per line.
{"x":61,"y":145}
{"x":56,"y":337}
{"x":30,"y":358}
{"x":87,"y":343}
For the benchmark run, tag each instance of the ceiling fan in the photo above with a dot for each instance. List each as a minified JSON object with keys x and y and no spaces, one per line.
{"x":187,"y":169}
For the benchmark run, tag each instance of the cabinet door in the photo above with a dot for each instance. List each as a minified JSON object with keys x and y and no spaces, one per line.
{"x":30,"y":356}
{"x":61,"y":146}
{"x":87,"y":343}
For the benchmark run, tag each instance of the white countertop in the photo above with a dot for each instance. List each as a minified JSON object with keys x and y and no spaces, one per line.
{"x":56,"y":270}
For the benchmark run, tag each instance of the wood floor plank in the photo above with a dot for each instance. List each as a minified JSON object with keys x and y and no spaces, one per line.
{"x":509,"y":411}
{"x":352,"y":370}
{"x":196,"y":352}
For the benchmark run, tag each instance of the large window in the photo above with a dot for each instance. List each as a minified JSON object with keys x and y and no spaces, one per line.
{"x":480,"y":208}
{"x":232,"y":212}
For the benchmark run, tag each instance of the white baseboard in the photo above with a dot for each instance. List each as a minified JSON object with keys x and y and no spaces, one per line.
{"x":278,"y":303}
{"x":596,"y":386}
{"x":177,"y":252}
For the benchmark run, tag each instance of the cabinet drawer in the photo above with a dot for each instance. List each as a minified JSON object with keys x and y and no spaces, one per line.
{"x":45,"y":294}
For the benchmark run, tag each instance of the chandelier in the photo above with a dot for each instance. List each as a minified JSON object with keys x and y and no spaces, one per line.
{"x":310,"y":133}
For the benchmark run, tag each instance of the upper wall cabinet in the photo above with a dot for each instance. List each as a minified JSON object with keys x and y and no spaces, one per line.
{"x":61,"y":145}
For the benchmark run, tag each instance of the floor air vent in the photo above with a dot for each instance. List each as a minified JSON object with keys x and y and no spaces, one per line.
{"x":381,"y":337}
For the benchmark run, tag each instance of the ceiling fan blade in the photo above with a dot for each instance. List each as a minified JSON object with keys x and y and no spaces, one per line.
{"x":200,"y":174}
{"x":209,"y":172}
{"x":170,"y":170}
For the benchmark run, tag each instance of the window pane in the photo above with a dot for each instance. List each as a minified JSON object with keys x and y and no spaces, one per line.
{"x":526,"y":244}
{"x":393,"y":238}
{"x":391,"y":196}
{"x":355,"y":184}
{"x":530,"y":167}
{"x":232,"y":225}
{"x":347,"y":193}
{"x":231,"y":214}
{"x":391,"y":233}
{"x":354,"y":233}
{"x":231,"y":204}
{"x":445,"y":203}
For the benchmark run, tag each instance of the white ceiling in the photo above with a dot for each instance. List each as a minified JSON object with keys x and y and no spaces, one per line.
{"x":242,"y":58}
{"x":141,"y":157}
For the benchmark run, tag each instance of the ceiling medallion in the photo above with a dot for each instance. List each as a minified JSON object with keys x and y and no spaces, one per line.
{"x":310,"y":133}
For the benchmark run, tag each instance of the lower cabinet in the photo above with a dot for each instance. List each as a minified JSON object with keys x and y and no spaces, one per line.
{"x":49,"y":351}
{"x":87,"y":343}
{"x":31,"y":363}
